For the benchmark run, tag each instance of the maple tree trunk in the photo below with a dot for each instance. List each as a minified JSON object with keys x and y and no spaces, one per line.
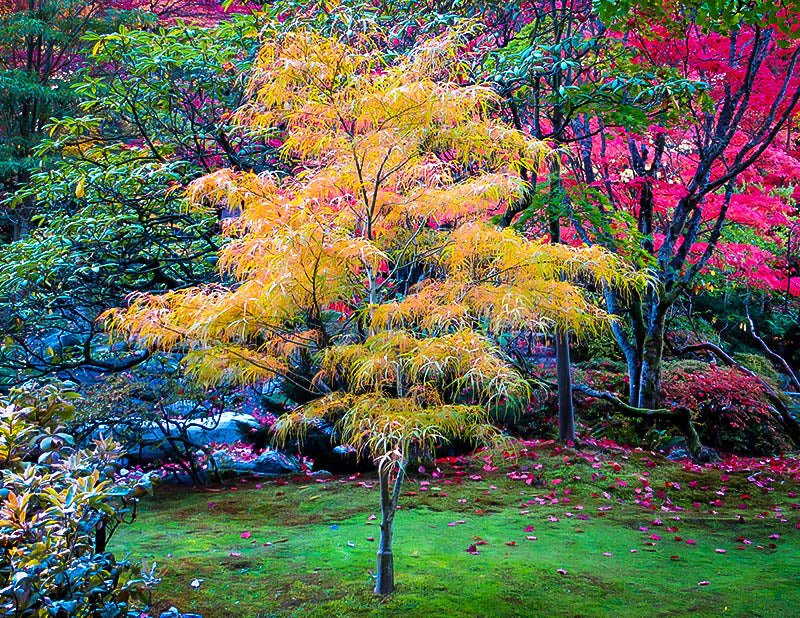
{"x":634,"y":375}
{"x":651,"y":357}
{"x":385,"y":564}
{"x":566,"y":412}
{"x":650,"y":385}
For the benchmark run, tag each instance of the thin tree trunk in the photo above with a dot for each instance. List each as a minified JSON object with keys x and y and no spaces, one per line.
{"x":628,"y":348}
{"x":566,"y":412}
{"x":100,"y":537}
{"x":385,"y":564}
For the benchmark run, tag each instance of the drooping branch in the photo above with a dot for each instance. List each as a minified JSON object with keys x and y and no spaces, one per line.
{"x":773,"y":356}
{"x":787,"y":420}
{"x":680,"y":417}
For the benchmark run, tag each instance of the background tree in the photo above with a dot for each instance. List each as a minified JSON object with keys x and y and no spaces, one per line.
{"x":155,"y":113}
{"x":41,"y":48}
{"x":684,"y":184}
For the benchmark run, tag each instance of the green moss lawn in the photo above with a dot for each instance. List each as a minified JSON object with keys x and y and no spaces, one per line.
{"x":587,"y":537}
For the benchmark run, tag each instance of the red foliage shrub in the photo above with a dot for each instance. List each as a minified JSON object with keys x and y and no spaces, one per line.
{"x":731,"y":408}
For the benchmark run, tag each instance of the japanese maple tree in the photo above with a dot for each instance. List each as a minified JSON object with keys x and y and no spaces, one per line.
{"x":375,"y":264}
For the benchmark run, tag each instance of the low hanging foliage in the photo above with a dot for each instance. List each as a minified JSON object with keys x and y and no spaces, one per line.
{"x":377,"y":258}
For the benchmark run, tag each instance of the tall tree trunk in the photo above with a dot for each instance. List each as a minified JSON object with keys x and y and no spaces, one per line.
{"x":566,"y":414}
{"x":652,"y":353}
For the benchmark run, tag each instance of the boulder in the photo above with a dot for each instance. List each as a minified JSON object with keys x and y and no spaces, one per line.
{"x":153,"y":439}
{"x":320,"y":443}
{"x":270,"y":462}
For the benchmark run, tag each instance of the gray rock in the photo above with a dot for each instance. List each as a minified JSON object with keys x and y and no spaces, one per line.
{"x":269,"y":462}
{"x":150,"y":440}
{"x":707,"y":455}
{"x":274,"y":462}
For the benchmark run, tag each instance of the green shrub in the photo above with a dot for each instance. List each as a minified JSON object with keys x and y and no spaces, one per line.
{"x":57,"y":513}
{"x":760,"y":365}
{"x":602,"y":346}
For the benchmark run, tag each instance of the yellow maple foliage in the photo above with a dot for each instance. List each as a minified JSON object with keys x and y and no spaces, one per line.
{"x":378,"y":258}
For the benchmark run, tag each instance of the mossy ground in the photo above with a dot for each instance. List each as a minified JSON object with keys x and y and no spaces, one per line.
{"x":308,"y":551}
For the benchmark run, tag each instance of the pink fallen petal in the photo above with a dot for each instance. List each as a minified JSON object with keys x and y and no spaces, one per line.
{"x":245,"y":535}
{"x":704,"y":583}
{"x":561,"y":571}
{"x":720,"y":551}
{"x":607,"y":553}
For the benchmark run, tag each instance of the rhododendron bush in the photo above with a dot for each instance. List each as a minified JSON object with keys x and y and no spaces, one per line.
{"x":59,"y":506}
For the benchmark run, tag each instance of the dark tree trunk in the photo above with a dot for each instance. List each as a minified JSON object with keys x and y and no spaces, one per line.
{"x":566,"y":414}
{"x":100,"y":537}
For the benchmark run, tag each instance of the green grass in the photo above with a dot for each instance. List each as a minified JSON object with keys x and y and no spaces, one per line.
{"x":320,"y":571}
